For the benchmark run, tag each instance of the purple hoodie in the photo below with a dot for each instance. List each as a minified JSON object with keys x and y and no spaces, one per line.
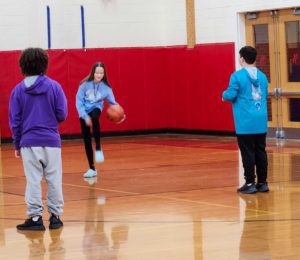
{"x":35,"y":112}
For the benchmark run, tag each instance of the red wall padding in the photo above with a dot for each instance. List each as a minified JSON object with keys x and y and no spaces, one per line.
{"x":161,"y":87}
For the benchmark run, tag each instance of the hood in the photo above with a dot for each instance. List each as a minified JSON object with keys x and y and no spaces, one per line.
{"x":252,"y":75}
{"x":37,"y":88}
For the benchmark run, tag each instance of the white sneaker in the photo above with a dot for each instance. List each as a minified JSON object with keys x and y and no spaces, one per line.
{"x":99,"y":157}
{"x":90,"y":173}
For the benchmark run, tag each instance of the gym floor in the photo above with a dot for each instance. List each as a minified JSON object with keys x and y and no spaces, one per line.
{"x":159,"y":197}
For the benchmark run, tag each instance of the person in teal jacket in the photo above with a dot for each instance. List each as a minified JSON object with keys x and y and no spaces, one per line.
{"x":248,"y":91}
{"x":92,"y":92}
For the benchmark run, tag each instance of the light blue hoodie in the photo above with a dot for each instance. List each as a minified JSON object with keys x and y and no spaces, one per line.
{"x":248,"y":91}
{"x":90,"y":96}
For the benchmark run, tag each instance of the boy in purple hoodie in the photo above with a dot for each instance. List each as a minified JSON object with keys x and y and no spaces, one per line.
{"x":37,"y":105}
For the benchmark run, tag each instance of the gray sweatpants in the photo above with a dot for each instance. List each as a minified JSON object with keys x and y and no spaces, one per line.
{"x":39,"y":162}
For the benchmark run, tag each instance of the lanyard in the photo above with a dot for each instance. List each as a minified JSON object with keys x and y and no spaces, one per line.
{"x":96,"y":89}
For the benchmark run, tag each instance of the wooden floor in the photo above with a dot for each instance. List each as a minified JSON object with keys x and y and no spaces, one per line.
{"x":160,"y":197}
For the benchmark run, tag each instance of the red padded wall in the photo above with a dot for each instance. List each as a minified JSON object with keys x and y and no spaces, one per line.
{"x":9,"y":75}
{"x":159,"y":87}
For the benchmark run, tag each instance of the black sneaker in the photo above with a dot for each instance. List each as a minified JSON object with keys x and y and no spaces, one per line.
{"x":262,"y":187}
{"x":30,"y":224}
{"x":55,"y":222}
{"x":247,"y":188}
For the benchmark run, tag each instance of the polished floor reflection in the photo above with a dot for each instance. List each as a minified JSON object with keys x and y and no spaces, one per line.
{"x":160,"y":197}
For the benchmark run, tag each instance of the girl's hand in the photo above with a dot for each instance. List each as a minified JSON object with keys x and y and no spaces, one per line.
{"x":88,"y":122}
{"x":17,"y":154}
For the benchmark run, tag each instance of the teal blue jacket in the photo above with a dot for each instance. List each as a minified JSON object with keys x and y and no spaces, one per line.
{"x":248,"y":91}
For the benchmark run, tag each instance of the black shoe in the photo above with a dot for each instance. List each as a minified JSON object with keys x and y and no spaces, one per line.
{"x":247,"y":188}
{"x":262,"y":187}
{"x":55,"y":222}
{"x":30,"y":224}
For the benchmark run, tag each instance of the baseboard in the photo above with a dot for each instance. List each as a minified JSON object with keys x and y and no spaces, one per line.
{"x":144,"y":132}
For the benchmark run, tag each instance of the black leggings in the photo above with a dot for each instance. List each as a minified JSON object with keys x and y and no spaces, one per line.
{"x":86,"y":133}
{"x":253,"y":152}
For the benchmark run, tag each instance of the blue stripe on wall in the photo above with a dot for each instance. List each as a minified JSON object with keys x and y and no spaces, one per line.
{"x":48,"y":27}
{"x":82,"y":26}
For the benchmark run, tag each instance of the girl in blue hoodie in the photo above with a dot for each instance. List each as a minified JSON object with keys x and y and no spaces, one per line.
{"x":248,"y":91}
{"x":92,"y":92}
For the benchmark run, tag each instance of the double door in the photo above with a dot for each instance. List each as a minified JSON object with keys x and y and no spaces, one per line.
{"x":276,"y":36}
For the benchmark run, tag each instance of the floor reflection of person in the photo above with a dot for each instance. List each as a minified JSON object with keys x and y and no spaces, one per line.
{"x":255,"y":239}
{"x":36,"y":246}
{"x":96,"y":243}
{"x":119,"y":235}
{"x":56,"y":247}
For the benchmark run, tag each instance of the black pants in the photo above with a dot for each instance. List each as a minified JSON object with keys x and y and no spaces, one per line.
{"x":253,"y":151}
{"x":86,"y":133}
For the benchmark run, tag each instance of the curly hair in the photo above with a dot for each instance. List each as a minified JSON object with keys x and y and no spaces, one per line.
{"x":33,"y":61}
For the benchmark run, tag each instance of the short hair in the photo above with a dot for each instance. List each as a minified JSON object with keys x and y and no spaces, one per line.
{"x":249,"y":54}
{"x":33,"y":61}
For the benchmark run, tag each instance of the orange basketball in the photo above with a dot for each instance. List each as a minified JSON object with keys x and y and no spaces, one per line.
{"x":115,"y":113}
